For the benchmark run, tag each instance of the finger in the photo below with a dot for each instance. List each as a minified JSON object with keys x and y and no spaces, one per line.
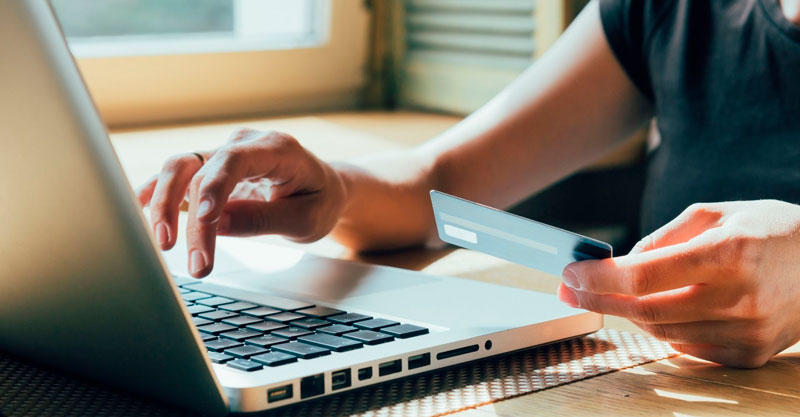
{"x":717,"y":332}
{"x":693,"y":221}
{"x":200,"y":238}
{"x":145,"y":191}
{"x":725,"y":355}
{"x":273,"y":156}
{"x":290,"y":217}
{"x":168,"y":195}
{"x":653,"y":271}
{"x":678,"y":306}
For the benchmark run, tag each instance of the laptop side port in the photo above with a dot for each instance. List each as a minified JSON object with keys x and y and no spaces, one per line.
{"x":340,"y":379}
{"x":456,"y":352}
{"x":280,"y":393}
{"x":418,"y":361}
{"x":364,"y":373}
{"x":391,"y":367}
{"x":311,"y":386}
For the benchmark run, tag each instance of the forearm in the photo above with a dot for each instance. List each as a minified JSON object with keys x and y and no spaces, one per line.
{"x":569,"y":108}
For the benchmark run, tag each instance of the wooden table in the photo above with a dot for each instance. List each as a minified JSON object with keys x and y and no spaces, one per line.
{"x":675,"y":387}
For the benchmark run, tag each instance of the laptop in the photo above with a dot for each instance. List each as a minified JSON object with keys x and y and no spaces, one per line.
{"x":83,"y":288}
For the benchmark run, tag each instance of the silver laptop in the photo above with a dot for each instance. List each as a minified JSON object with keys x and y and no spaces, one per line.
{"x":83,"y":288}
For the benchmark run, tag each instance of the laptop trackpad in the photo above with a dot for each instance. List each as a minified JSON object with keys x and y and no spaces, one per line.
{"x":260,"y":267}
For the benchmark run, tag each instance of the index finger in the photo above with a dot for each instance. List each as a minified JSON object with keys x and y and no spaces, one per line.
{"x":649,"y":272}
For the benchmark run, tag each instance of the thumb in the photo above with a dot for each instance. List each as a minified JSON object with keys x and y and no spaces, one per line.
{"x":290,"y":217}
{"x":695,"y":220}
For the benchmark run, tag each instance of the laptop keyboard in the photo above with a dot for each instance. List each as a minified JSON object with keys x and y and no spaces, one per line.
{"x":249,"y":336}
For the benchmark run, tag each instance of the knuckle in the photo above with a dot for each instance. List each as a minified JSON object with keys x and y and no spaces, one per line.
{"x":640,"y":279}
{"x":177,"y":162}
{"x":261,"y":222}
{"x":657,"y":331}
{"x":241,"y":134}
{"x":741,"y":256}
{"x":282,"y":141}
{"x":643,"y":311}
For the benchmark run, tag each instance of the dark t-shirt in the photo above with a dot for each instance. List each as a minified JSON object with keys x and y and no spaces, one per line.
{"x":724,"y":77}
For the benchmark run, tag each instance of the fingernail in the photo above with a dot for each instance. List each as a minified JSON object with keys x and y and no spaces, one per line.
{"x":224,"y":225}
{"x":198,"y":261}
{"x":162,"y":234}
{"x":568,"y":296}
{"x":204,"y":207}
{"x":571,"y":279}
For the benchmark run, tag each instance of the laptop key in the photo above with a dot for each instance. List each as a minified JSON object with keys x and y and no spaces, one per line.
{"x":261,"y":312}
{"x":215,"y":301}
{"x":274,"y":358}
{"x":369,"y":337}
{"x":241,"y":321}
{"x":218,"y":357}
{"x":238,"y":306}
{"x":320,"y":312}
{"x":218,"y":315}
{"x":199,"y":309}
{"x":185,"y":281}
{"x":205,"y":337}
{"x":240,"y":335}
{"x":404,"y":331}
{"x":335,"y":343}
{"x":245,"y":365}
{"x":200,"y":321}
{"x":284,"y":317}
{"x":194,"y":296}
{"x":302,"y":350}
{"x":221,"y":344}
{"x":375,"y":324}
{"x":337,"y":329}
{"x":215,"y":328}
{"x":266,"y":326}
{"x":292,"y":332}
{"x":348,"y":318}
{"x":245,"y":352}
{"x":183,"y":290}
{"x":266,"y":341}
{"x":311,"y":323}
{"x":263,"y":299}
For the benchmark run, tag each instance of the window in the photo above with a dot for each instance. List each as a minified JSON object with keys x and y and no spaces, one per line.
{"x":162,"y":61}
{"x":146,"y":27}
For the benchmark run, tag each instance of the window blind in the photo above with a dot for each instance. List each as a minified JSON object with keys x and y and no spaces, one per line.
{"x":460,"y":53}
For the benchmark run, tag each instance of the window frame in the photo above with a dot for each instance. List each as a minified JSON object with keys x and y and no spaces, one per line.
{"x":162,"y":88}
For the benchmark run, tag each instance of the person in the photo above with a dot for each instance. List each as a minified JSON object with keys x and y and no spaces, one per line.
{"x":718,"y":274}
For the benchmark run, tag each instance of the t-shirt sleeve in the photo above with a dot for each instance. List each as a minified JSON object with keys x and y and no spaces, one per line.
{"x":624,"y":23}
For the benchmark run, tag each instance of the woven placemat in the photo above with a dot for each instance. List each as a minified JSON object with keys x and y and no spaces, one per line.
{"x":28,"y":390}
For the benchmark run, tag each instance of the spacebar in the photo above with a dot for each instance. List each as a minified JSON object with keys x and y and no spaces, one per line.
{"x":264,"y":299}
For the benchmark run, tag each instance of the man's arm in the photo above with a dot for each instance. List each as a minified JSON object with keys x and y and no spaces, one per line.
{"x":571,"y":106}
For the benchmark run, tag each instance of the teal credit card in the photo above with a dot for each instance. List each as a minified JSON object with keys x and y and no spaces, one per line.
{"x":511,"y":237}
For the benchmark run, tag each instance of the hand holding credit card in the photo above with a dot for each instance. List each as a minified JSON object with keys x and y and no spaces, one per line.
{"x":511,"y":237}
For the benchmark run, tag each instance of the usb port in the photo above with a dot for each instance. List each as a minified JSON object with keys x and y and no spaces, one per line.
{"x":340,"y":379}
{"x":364,"y":373}
{"x":418,"y":361}
{"x":391,"y":367}
{"x":280,"y":393}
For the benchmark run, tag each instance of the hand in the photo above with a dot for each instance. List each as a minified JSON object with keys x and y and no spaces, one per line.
{"x":258,"y":183}
{"x":720,"y":282}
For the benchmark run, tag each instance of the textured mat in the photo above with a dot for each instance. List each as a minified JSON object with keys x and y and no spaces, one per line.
{"x":27,"y":390}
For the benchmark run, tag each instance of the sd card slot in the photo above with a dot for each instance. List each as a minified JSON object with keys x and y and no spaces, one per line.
{"x":456,"y":352}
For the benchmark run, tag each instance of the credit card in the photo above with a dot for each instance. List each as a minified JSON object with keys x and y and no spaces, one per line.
{"x":511,"y":237}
